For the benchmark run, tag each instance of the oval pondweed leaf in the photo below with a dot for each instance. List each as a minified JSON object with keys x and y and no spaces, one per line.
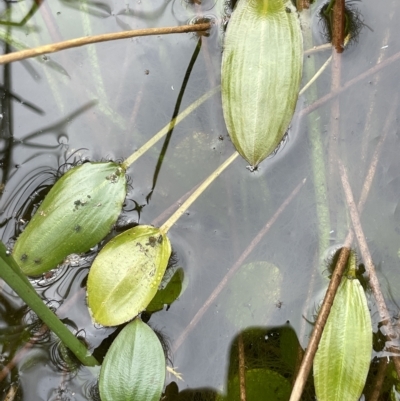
{"x":126,"y":274}
{"x":77,"y":213}
{"x":261,"y":72}
{"x":342,"y":361}
{"x":134,"y":367}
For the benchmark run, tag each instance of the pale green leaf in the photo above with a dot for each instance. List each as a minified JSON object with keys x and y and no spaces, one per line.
{"x":126,"y":274}
{"x":77,"y":213}
{"x":342,"y":361}
{"x":134,"y":367}
{"x":261,"y":73}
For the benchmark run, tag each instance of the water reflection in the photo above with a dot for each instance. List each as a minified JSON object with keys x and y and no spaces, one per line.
{"x":135,"y":84}
{"x":262,"y":364}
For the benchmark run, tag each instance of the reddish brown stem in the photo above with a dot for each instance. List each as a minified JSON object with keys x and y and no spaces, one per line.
{"x":338,"y":21}
{"x":68,"y":44}
{"x":318,"y":103}
{"x":323,"y":314}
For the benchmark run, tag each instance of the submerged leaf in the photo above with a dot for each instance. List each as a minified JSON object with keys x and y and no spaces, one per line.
{"x":134,"y":367}
{"x":251,"y":296}
{"x":126,"y":274}
{"x":77,"y":213}
{"x":261,"y":384}
{"x":342,"y":361}
{"x":261,"y":73}
{"x":168,"y":294}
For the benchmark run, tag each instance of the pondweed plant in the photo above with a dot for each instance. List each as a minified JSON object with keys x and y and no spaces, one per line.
{"x":125,"y":275}
{"x":85,"y":203}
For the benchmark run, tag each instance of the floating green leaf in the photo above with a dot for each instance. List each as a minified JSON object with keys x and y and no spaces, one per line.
{"x":168,"y":292}
{"x":342,"y":361}
{"x":261,"y":72}
{"x":76,"y":214}
{"x":134,"y":367}
{"x":126,"y":274}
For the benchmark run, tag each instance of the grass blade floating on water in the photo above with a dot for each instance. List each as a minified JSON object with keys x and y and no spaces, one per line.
{"x":261,"y":73}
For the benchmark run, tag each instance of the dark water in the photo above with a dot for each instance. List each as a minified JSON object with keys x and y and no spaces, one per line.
{"x":104,"y":101}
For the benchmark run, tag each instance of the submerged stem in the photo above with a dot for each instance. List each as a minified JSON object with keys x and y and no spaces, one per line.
{"x":10,"y":274}
{"x":172,"y":220}
{"x":315,"y":77}
{"x":164,"y":131}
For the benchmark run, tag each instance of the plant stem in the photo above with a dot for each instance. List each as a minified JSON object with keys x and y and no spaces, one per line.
{"x":68,"y":44}
{"x":134,"y":156}
{"x":323,"y":314}
{"x":242,"y":369}
{"x":306,"y":363}
{"x":316,"y":75}
{"x":249,"y":249}
{"x":21,"y":285}
{"x":317,"y":148}
{"x":332,"y":94}
{"x":172,"y":220}
{"x":174,"y":115}
{"x":338,"y":20}
{"x":390,"y":332}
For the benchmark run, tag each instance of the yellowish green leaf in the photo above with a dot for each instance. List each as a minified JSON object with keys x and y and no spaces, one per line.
{"x":126,"y":274}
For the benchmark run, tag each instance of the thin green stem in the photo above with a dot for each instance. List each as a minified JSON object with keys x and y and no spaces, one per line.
{"x":11,"y":274}
{"x":315,"y":77}
{"x":164,"y":131}
{"x":174,"y":115}
{"x":172,"y":220}
{"x":317,"y":154}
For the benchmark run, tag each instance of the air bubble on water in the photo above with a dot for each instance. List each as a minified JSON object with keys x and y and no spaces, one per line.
{"x":73,"y":260}
{"x":94,"y":248}
{"x":62,"y":139}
